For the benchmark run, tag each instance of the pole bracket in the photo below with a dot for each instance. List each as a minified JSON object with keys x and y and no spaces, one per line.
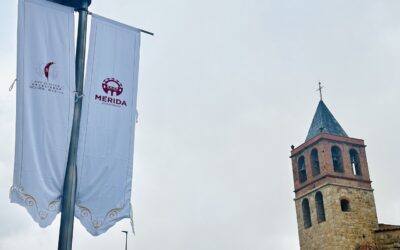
{"x":78,"y":95}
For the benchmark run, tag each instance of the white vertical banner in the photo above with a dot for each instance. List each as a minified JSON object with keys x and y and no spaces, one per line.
{"x":45,"y":99}
{"x":105,"y":152}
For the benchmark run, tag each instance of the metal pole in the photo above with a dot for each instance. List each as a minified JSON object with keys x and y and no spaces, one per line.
{"x":126,"y":239}
{"x":69,"y":191}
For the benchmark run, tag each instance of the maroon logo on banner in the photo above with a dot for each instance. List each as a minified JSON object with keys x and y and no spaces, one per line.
{"x":112,"y":87}
{"x":47,"y":70}
{"x":49,"y":82}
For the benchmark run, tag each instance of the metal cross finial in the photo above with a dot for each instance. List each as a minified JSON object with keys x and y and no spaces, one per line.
{"x":320,"y":90}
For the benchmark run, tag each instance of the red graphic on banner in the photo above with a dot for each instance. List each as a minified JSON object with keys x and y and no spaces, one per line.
{"x":113,"y":86}
{"x":50,"y":84}
{"x":47,"y":70}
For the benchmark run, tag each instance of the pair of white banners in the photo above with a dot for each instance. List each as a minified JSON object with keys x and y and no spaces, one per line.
{"x":45,"y":102}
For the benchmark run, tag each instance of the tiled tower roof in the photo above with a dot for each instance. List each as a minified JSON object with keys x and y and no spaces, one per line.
{"x":324,"y":122}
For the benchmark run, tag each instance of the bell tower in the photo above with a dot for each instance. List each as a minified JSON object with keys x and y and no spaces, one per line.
{"x":333,"y":195}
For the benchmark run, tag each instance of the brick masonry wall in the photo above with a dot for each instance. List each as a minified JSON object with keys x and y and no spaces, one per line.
{"x":341,"y":230}
{"x":324,"y":145}
{"x":388,"y":240}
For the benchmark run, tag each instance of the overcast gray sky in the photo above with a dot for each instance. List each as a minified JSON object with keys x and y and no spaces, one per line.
{"x":225,"y":88}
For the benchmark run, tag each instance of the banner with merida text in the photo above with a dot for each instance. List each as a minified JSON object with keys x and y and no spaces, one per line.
{"x":105,"y":152}
{"x":45,"y":99}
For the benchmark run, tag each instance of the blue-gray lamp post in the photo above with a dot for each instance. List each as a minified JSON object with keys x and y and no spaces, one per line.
{"x":70,"y":181}
{"x":69,"y":190}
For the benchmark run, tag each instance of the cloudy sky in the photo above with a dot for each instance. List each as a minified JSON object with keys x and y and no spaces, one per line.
{"x":225,"y":88}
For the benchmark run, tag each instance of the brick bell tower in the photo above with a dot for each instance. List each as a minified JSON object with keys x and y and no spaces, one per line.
{"x":333,"y":195}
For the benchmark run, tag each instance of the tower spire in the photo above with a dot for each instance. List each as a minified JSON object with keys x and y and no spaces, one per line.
{"x":324,"y":122}
{"x":320,"y":90}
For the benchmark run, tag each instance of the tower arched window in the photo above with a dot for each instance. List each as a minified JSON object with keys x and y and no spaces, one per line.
{"x":345,"y":205}
{"x":355,"y":162}
{"x":306,"y":213}
{"x":319,"y":203}
{"x":315,"y":162}
{"x":302,"y":169}
{"x":337,"y":159}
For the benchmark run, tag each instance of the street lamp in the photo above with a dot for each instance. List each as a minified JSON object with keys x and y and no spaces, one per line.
{"x":126,"y":239}
{"x":70,"y":180}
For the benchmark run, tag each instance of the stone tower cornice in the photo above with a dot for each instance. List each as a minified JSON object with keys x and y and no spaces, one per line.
{"x":330,"y":184}
{"x":328,"y":137}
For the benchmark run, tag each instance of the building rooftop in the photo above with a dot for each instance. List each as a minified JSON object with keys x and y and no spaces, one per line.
{"x":324,"y":122}
{"x":386,"y":227}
